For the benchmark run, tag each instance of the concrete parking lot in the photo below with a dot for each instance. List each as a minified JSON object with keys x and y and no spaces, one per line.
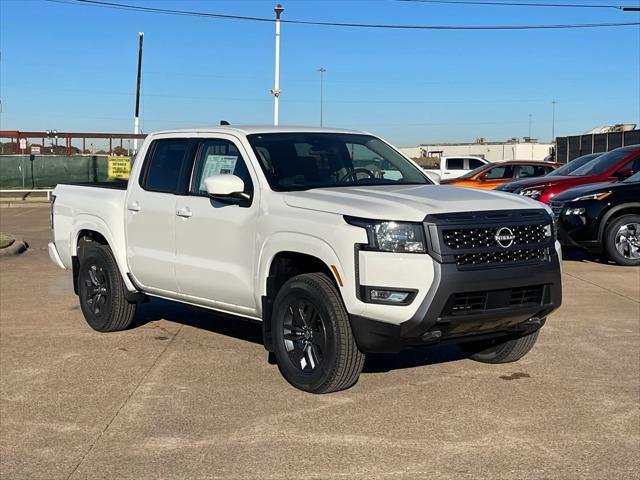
{"x":188,"y":394}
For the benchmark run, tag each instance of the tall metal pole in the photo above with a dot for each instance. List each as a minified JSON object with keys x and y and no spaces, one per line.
{"x":530,"y":115}
{"x":553,"y":121}
{"x":276,"y":89}
{"x":136,"y":120}
{"x":321,"y":70}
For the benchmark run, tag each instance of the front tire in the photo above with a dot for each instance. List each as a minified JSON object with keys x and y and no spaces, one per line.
{"x":622,"y":240}
{"x":102,"y":291}
{"x":314,"y":345}
{"x":500,"y":350}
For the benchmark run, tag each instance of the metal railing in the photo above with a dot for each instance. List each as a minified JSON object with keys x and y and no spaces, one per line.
{"x":28,"y":191}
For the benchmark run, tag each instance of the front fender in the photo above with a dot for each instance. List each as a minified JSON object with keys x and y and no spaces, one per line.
{"x":298,"y":243}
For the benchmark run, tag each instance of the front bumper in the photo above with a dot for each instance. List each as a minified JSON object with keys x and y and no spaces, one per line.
{"x":490,"y":308}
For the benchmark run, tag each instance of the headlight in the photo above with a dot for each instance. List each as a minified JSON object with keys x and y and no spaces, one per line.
{"x":574,"y":211}
{"x":400,"y":237}
{"x":593,"y":196}
{"x":534,"y":194}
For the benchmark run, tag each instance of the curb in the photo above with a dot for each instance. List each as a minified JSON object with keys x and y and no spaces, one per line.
{"x":16,"y":248}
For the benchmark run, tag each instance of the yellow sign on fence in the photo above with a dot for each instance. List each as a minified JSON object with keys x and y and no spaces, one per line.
{"x":119,"y":167}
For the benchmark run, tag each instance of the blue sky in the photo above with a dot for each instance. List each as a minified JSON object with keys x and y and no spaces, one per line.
{"x":72,"y":67}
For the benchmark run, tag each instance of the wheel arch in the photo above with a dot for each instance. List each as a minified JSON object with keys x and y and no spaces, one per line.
{"x":285,"y":256}
{"x":94,"y":229}
{"x":613,"y":213}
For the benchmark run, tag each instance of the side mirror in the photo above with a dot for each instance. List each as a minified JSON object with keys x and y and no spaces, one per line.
{"x":482,"y":177}
{"x":624,"y":173}
{"x":226,"y":188}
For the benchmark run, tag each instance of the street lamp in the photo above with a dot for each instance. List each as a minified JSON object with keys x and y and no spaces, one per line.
{"x":276,"y":89}
{"x":321,"y":70}
{"x":553,"y":121}
{"x":530,"y":115}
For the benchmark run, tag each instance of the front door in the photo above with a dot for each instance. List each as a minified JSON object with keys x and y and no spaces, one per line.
{"x":216,"y":241}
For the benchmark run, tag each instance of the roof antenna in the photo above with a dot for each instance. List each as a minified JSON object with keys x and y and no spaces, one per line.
{"x":224,"y":122}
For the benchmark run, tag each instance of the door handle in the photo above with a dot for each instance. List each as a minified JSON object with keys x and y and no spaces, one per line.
{"x":184,"y":212}
{"x":134,"y":207}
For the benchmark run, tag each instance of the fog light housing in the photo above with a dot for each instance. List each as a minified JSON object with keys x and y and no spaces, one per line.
{"x":388,"y":296}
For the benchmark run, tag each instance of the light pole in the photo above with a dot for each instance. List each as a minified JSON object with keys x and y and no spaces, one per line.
{"x":136,"y":119}
{"x":553,"y":121}
{"x":321,"y":70}
{"x":276,"y":89}
{"x":530,"y":115}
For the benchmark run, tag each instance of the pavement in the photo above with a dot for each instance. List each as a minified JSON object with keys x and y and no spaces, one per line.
{"x":187,"y":394}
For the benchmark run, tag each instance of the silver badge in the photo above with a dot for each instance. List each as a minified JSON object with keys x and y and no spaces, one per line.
{"x":504,"y":237}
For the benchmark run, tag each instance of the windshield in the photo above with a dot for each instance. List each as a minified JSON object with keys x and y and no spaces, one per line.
{"x":574,"y":164}
{"x":603,"y":163}
{"x":633,"y":178}
{"x":300,"y":161}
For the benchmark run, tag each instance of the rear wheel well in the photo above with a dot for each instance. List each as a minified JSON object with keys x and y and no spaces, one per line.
{"x":284,"y":266}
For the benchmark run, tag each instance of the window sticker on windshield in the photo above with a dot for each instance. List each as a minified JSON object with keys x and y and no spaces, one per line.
{"x":218,"y":165}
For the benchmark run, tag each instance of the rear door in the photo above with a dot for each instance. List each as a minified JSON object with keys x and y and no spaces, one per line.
{"x":150,"y":215}
{"x":216,"y":241}
{"x":453,"y":168}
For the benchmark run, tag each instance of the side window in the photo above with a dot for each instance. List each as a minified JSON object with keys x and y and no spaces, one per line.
{"x":503,"y":171}
{"x":163,"y":169}
{"x":633,"y":165}
{"x":474,"y":163}
{"x":525,"y":171}
{"x":455,"y":163}
{"x":218,"y":157}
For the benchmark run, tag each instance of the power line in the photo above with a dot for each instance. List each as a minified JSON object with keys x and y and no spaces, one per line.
{"x":518,"y":4}
{"x":166,"y":11}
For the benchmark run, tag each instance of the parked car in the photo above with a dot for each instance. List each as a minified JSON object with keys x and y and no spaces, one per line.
{"x":277,"y":225}
{"x":615,"y":165}
{"x":488,"y":177}
{"x":454,"y":167}
{"x":566,"y":169}
{"x":602,"y":217}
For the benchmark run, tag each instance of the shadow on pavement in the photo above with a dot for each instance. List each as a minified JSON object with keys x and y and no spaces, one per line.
{"x":250,"y":331}
{"x":578,"y":255}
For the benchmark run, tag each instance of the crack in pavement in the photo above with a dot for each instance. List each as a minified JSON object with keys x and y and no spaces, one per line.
{"x":126,"y":401}
{"x":600,"y":286}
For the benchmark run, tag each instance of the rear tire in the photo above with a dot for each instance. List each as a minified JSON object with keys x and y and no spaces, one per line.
{"x":313,"y":342}
{"x":622,"y":240}
{"x":499,"y":350}
{"x":102,"y":291}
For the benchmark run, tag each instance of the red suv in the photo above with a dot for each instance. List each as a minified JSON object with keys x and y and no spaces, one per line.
{"x":615,"y":165}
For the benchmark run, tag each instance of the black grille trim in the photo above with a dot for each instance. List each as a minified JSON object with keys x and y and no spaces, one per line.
{"x":501,"y":257}
{"x":484,"y":301}
{"x":468,"y":238}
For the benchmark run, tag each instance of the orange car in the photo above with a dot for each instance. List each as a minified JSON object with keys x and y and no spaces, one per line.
{"x":495,"y":174}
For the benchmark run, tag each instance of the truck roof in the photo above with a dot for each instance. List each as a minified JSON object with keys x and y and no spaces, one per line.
{"x":252,"y":129}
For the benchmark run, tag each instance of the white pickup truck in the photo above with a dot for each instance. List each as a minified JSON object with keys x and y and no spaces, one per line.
{"x":305,"y":230}
{"x":454,"y":167}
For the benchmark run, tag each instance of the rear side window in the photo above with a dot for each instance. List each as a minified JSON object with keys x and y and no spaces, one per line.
{"x":503,"y":171}
{"x":455,"y":163}
{"x":474,"y":163}
{"x":525,"y":171}
{"x":163,"y":169}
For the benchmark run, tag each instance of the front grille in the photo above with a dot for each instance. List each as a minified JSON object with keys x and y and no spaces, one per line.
{"x":464,"y":238}
{"x":501,"y":256}
{"x":556,"y":207}
{"x":478,"y":302}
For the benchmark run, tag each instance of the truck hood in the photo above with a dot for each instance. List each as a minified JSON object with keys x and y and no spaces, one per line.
{"x":404,"y":202}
